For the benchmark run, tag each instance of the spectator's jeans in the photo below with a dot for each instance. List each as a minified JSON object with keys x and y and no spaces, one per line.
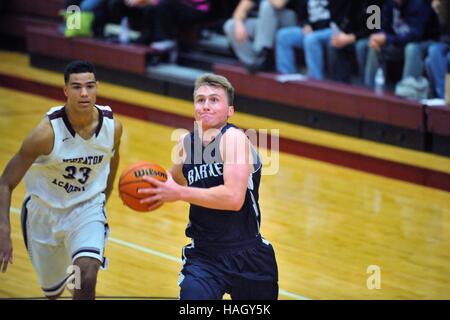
{"x":376,"y":59}
{"x":261,"y":31}
{"x":437,"y":63}
{"x":90,"y":5}
{"x":415,"y":53}
{"x":313,"y":44}
{"x":340,"y":62}
{"x":361,"y":56}
{"x":287,"y":40}
{"x":85,"y":5}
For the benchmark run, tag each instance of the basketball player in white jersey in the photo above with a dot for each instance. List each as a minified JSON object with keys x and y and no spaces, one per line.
{"x":69,"y":162}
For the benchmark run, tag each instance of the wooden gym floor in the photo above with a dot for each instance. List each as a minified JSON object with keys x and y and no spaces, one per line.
{"x":328,"y":222}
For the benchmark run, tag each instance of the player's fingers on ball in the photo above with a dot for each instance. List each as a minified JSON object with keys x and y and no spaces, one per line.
{"x":147,"y":190}
{"x":154,"y":205}
{"x":151,"y":180}
{"x":151,"y":199}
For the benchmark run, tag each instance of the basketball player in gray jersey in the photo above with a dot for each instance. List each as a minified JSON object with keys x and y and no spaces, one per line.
{"x":69,"y":162}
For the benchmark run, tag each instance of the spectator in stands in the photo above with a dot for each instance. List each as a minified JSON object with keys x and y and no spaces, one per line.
{"x":402,"y":22}
{"x":414,"y":85}
{"x":140,"y":13}
{"x":97,"y":7}
{"x":174,"y":15}
{"x":319,"y":19}
{"x":342,"y":46}
{"x":438,"y":59}
{"x":251,"y":31}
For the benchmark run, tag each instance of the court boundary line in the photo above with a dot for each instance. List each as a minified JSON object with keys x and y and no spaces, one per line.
{"x":166,"y":256}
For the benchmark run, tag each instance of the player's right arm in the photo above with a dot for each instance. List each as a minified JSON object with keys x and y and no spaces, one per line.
{"x":178,"y":159}
{"x":38,"y":142}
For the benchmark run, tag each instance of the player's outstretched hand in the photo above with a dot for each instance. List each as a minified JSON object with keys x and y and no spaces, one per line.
{"x":6,"y":251}
{"x":167,"y":191}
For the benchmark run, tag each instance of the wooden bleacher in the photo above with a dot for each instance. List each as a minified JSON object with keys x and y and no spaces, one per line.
{"x":318,"y":104}
{"x":15,"y":25}
{"x":50,"y":42}
{"x":17,"y":15}
{"x":37,"y":21}
{"x":39,"y":8}
{"x":385,"y":118}
{"x":438,"y":126}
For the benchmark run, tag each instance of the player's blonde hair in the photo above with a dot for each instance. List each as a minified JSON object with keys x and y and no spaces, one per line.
{"x":215,"y":80}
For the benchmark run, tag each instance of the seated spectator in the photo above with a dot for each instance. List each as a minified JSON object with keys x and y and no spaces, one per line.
{"x":314,"y":32}
{"x":85,"y":5}
{"x":343,"y":42}
{"x":251,"y":37}
{"x":174,"y":15}
{"x":438,"y":59}
{"x":98,"y":9}
{"x":140,"y":13}
{"x":403,"y":22}
{"x":415,"y":53}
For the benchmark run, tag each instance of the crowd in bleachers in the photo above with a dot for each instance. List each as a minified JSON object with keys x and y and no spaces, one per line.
{"x":349,"y":41}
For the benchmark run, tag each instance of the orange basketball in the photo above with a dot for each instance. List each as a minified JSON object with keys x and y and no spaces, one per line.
{"x":131,"y":180}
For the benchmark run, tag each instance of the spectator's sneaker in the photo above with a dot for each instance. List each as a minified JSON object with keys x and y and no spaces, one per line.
{"x":412,"y":88}
{"x":163,"y":45}
{"x":260,"y":63}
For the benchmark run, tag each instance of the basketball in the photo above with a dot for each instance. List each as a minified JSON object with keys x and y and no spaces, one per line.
{"x":131,"y":181}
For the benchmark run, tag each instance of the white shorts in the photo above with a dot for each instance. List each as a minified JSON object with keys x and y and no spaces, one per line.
{"x":55,"y":238}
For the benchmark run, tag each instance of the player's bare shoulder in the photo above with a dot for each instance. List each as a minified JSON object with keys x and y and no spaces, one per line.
{"x":235,"y":146}
{"x":235,"y":137}
{"x":40,"y":140}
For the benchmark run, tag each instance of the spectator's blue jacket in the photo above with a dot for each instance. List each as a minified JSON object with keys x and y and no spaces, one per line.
{"x":412,"y":21}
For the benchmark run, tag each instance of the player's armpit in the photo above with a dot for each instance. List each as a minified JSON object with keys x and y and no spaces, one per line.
{"x":114,"y":163}
{"x":177,"y":174}
{"x":117,"y":133}
{"x":178,"y":158}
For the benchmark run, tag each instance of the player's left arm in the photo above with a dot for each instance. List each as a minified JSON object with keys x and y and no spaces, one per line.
{"x":114,"y":164}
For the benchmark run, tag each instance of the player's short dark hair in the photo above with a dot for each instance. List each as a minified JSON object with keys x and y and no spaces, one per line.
{"x":78,"y":66}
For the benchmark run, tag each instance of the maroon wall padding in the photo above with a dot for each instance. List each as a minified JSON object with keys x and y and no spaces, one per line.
{"x":439,"y":120}
{"x":16,"y":25}
{"x":49,"y":42}
{"x":325,"y":96}
{"x":43,"y":8}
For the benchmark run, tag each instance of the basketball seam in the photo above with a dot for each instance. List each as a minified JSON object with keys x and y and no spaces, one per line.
{"x":132,"y":196}
{"x":134,"y":181}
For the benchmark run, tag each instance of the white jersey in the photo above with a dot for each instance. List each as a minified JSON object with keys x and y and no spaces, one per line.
{"x":77,"y":169}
